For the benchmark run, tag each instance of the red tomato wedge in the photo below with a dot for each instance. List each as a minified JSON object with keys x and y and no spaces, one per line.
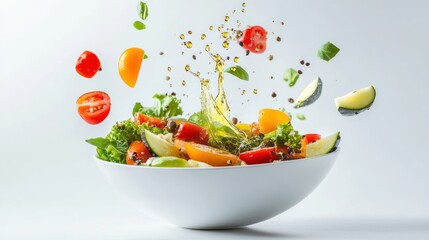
{"x":151,"y":121}
{"x":88,"y":64}
{"x":192,"y":132}
{"x":254,"y":39}
{"x":93,"y":107}
{"x":258,"y":156}
{"x":312,"y":137}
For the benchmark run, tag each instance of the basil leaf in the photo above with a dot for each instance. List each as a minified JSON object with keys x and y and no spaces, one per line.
{"x":139,"y":25}
{"x":99,"y":142}
{"x":300,"y":116}
{"x":143,"y":10}
{"x":291,"y":76}
{"x":327,"y":51}
{"x":238,"y":72}
{"x":145,"y":57}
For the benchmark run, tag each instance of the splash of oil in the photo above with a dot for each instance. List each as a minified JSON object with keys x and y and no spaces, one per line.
{"x":216,"y":110}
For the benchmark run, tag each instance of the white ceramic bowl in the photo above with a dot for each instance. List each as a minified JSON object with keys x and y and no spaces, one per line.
{"x":221,"y":197}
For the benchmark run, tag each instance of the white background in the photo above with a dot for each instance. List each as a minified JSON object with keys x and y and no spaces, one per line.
{"x":50,"y":187}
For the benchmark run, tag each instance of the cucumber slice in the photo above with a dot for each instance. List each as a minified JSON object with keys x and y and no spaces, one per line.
{"x":323,"y":146}
{"x":356,"y":102}
{"x":159,"y":146}
{"x":310,"y":93}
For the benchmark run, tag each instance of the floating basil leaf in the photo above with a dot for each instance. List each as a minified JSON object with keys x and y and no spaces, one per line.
{"x":145,"y":57}
{"x":139,"y":25}
{"x":143,"y":10}
{"x":238,"y":72}
{"x":291,"y":76}
{"x":327,"y":51}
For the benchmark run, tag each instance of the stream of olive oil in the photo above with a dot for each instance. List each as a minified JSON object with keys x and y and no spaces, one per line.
{"x":216,"y":110}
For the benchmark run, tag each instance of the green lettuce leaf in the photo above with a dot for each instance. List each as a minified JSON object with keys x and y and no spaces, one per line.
{"x":165,"y":106}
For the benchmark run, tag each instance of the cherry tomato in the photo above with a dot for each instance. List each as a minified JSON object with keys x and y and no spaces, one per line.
{"x":258,"y":156}
{"x":312,"y":137}
{"x":129,"y":65}
{"x":192,"y":132}
{"x":88,"y":64}
{"x":254,"y":39}
{"x":137,"y":153}
{"x":269,"y":119}
{"x":210,"y":155}
{"x":151,"y":121}
{"x":93,"y":107}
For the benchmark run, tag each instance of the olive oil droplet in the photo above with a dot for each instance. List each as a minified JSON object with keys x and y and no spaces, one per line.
{"x":182,"y":36}
{"x":225,"y":44}
{"x":255,"y":91}
{"x":189,"y":44}
{"x":203,"y":37}
{"x":243,"y":4}
{"x":243,"y":92}
{"x":187,"y":68}
{"x":211,"y":28}
{"x":225,"y":34}
{"x":183,"y":82}
{"x":169,"y":69}
{"x":236,"y":59}
{"x":226,"y":18}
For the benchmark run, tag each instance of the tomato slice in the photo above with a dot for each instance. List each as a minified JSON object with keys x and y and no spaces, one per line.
{"x":137,"y":153}
{"x":88,"y":64}
{"x":151,"y":121}
{"x":258,"y":156}
{"x":312,"y":137}
{"x":93,"y":107}
{"x":192,"y":132}
{"x":254,"y":39}
{"x":129,"y":65}
{"x":210,"y":155}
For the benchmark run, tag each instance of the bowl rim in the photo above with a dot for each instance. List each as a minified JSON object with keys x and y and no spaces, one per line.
{"x":262,"y":165}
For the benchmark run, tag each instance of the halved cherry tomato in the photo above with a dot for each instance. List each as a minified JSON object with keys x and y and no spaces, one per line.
{"x":151,"y":121}
{"x":88,"y":64}
{"x":129,"y":65}
{"x":258,"y":156}
{"x":210,"y":155}
{"x":312,"y":137}
{"x":269,"y":119}
{"x":254,"y":39}
{"x":137,"y":153}
{"x":93,"y":107}
{"x":192,"y":132}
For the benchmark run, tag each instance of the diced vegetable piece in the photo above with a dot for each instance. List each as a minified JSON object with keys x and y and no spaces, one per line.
{"x":310,"y":93}
{"x":356,"y":102}
{"x":188,"y":131}
{"x":258,"y":156}
{"x":244,"y":127}
{"x":151,"y":121}
{"x":159,"y":145}
{"x":269,"y":119}
{"x":323,"y":146}
{"x":210,"y":155}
